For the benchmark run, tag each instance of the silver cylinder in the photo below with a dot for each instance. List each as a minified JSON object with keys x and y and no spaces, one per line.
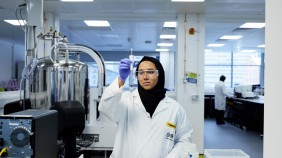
{"x":58,"y":81}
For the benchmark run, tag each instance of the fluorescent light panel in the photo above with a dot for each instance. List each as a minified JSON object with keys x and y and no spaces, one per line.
{"x":248,"y":51}
{"x":215,"y":45}
{"x":161,"y":50}
{"x":187,"y":0}
{"x":167,"y":36}
{"x":169,"y":24}
{"x":165,"y":44}
{"x":208,"y":50}
{"x":16,"y":22}
{"x":97,"y":23}
{"x":253,"y":25}
{"x":261,"y":46}
{"x":108,"y":36}
{"x":230,"y":37}
{"x":77,"y":0}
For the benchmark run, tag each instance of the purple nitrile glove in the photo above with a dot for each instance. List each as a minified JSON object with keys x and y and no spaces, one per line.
{"x":124,"y":68}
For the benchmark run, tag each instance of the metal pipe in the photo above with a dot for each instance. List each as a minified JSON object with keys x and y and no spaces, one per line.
{"x":67,"y":51}
{"x":73,"y":48}
{"x":185,"y":25}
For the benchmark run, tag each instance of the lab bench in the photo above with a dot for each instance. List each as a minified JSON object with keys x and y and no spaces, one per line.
{"x":7,"y":97}
{"x":247,"y":114}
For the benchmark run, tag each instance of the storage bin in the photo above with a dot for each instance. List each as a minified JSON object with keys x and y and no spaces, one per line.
{"x":225,"y":153}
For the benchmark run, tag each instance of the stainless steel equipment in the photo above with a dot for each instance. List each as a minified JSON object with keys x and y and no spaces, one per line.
{"x":58,"y":81}
{"x":59,"y":78}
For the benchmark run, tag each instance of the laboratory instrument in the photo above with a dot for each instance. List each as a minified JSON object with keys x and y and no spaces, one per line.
{"x":131,"y":75}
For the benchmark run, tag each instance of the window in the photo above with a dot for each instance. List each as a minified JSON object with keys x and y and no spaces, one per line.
{"x":239,"y":68}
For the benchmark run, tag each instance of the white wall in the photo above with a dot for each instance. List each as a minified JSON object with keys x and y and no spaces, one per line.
{"x":194,"y":56}
{"x":167,"y":60}
{"x":273,"y":82}
{"x":10,"y":53}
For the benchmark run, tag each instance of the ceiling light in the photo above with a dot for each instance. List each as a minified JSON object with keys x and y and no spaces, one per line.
{"x":248,"y":51}
{"x":108,"y":36}
{"x":169,"y":24}
{"x":215,"y":45}
{"x":77,"y":0}
{"x":253,"y":25}
{"x":97,"y":23}
{"x":161,"y":50}
{"x":167,"y":36}
{"x":165,"y":44}
{"x":16,"y":22}
{"x":230,"y":37}
{"x":208,"y":50}
{"x":261,"y":46}
{"x":187,"y":0}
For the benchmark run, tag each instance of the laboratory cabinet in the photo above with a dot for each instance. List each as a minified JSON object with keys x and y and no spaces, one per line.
{"x":209,"y":106}
{"x":247,"y":114}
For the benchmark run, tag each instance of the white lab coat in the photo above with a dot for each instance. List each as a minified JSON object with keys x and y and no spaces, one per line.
{"x":138,"y":135}
{"x":220,"y":93}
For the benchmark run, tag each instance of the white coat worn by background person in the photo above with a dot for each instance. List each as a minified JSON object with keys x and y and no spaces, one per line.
{"x":220,"y":93}
{"x":138,"y":135}
{"x":220,"y":100}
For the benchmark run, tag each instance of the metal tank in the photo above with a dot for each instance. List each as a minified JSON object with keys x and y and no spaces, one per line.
{"x":58,"y":81}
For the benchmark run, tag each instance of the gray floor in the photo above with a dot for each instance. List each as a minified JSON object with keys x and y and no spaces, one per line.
{"x":228,"y":136}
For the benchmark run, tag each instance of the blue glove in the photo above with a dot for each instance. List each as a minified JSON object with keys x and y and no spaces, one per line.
{"x":124,"y":68}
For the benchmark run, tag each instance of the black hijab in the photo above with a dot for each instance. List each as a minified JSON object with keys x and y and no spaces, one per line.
{"x":151,"y":98}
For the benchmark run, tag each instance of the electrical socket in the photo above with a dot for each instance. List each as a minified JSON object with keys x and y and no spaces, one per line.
{"x":195,"y":97}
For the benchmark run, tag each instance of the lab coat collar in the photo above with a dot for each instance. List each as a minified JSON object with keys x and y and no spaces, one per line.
{"x":138,"y":102}
{"x":163,"y":105}
{"x":135,"y":93}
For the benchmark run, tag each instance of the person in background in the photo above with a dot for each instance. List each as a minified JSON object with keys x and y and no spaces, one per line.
{"x":149,"y":124}
{"x":220,"y":95}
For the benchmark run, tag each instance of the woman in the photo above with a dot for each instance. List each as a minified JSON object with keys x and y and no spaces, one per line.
{"x":150,"y":124}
